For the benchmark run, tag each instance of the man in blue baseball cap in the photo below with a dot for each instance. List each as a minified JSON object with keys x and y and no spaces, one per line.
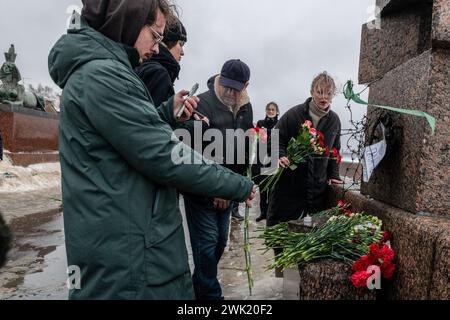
{"x":226,"y":106}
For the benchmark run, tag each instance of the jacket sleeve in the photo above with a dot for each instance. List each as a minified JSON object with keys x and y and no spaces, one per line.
{"x":127,"y":120}
{"x":333,"y":167}
{"x":283,"y":126}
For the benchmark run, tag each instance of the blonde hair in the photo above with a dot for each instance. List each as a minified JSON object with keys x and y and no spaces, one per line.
{"x":324,"y":80}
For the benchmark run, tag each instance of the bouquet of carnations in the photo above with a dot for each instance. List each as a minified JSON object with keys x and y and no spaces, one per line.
{"x":309,"y":142}
{"x":354,"y":238}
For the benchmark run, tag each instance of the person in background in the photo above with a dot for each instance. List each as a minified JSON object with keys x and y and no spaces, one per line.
{"x":303,"y":190}
{"x":122,"y":223}
{"x":226,"y":106}
{"x":160,"y":71}
{"x":269,"y":122}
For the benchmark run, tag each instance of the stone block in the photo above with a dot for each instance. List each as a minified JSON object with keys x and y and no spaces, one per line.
{"x":415,"y":173}
{"x":441,"y":23}
{"x":29,"y":136}
{"x":421,"y":243}
{"x":440,"y":286}
{"x":401,"y":37}
{"x":330,"y":280}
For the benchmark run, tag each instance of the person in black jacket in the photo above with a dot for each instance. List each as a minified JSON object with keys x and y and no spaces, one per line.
{"x":226,"y":106}
{"x":303,"y":190}
{"x":161,"y":70}
{"x":272,"y":113}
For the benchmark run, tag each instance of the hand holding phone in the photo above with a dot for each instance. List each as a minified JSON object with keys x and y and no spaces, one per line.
{"x":190,"y":95}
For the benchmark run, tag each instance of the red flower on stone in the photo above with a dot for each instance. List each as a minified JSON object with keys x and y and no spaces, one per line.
{"x":387,"y":270}
{"x":362,"y":263}
{"x":387,"y":235}
{"x":359,"y":279}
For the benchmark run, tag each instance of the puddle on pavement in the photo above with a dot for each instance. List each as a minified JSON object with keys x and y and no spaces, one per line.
{"x":37,"y":262}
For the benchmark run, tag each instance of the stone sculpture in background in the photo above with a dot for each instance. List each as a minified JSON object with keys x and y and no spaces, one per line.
{"x":13,"y":92}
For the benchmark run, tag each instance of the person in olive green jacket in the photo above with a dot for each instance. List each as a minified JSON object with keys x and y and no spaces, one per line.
{"x":122,"y":222}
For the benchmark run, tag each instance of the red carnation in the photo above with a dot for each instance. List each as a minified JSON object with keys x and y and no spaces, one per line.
{"x":334,"y":152}
{"x":321,"y":143}
{"x":327,"y":151}
{"x":387,"y":235}
{"x":321,"y":137}
{"x":387,"y":270}
{"x":308,"y":124}
{"x":359,"y":278}
{"x":362,"y":264}
{"x":388,"y":254}
{"x":339,"y":159}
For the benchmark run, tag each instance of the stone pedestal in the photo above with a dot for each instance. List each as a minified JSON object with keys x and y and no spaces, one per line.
{"x":407,"y":62}
{"x":322,"y":279}
{"x":29,"y":136}
{"x":422,"y":248}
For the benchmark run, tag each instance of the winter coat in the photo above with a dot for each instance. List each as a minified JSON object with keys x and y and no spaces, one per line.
{"x":159,"y":74}
{"x":303,"y":190}
{"x":122,"y":222}
{"x":222,"y":118}
{"x":268,"y":124}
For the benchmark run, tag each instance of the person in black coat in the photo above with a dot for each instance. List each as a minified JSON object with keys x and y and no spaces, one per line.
{"x":272,"y":113}
{"x":303,"y":190}
{"x":161,"y":70}
{"x":226,"y":107}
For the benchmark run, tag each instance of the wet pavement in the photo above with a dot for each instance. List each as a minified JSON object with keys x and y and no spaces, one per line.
{"x":37,"y":262}
{"x":36,"y":268}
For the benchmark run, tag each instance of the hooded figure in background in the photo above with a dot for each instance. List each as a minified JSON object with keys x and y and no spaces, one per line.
{"x":161,"y":70}
{"x":122,"y":223}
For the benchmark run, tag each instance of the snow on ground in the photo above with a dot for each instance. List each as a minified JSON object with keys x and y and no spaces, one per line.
{"x":34,"y":177}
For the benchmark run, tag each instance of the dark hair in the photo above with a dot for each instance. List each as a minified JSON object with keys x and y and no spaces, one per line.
{"x":166,"y":9}
{"x":274,"y":104}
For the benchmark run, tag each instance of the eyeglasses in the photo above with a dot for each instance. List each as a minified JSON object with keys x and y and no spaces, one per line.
{"x":158,"y":37}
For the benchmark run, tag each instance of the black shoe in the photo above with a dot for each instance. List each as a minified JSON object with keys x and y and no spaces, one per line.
{"x":236,"y":215}
{"x":261,"y":218}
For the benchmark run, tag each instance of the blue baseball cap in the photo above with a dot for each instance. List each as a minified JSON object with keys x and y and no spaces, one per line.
{"x":235,"y":74}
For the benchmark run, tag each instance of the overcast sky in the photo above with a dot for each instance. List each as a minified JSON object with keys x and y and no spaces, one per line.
{"x":285,"y":42}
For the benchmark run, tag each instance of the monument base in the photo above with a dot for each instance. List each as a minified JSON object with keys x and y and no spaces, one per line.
{"x":30,"y":136}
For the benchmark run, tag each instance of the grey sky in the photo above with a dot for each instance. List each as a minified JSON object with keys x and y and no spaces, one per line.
{"x":285,"y":42}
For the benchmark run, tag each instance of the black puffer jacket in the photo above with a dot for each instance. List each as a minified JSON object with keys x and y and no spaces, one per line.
{"x":304,"y":189}
{"x":159,"y":74}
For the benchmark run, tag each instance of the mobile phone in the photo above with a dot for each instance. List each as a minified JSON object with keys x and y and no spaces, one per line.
{"x":191,"y":94}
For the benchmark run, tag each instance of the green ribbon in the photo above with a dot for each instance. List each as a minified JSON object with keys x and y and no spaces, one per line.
{"x":350,"y":95}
